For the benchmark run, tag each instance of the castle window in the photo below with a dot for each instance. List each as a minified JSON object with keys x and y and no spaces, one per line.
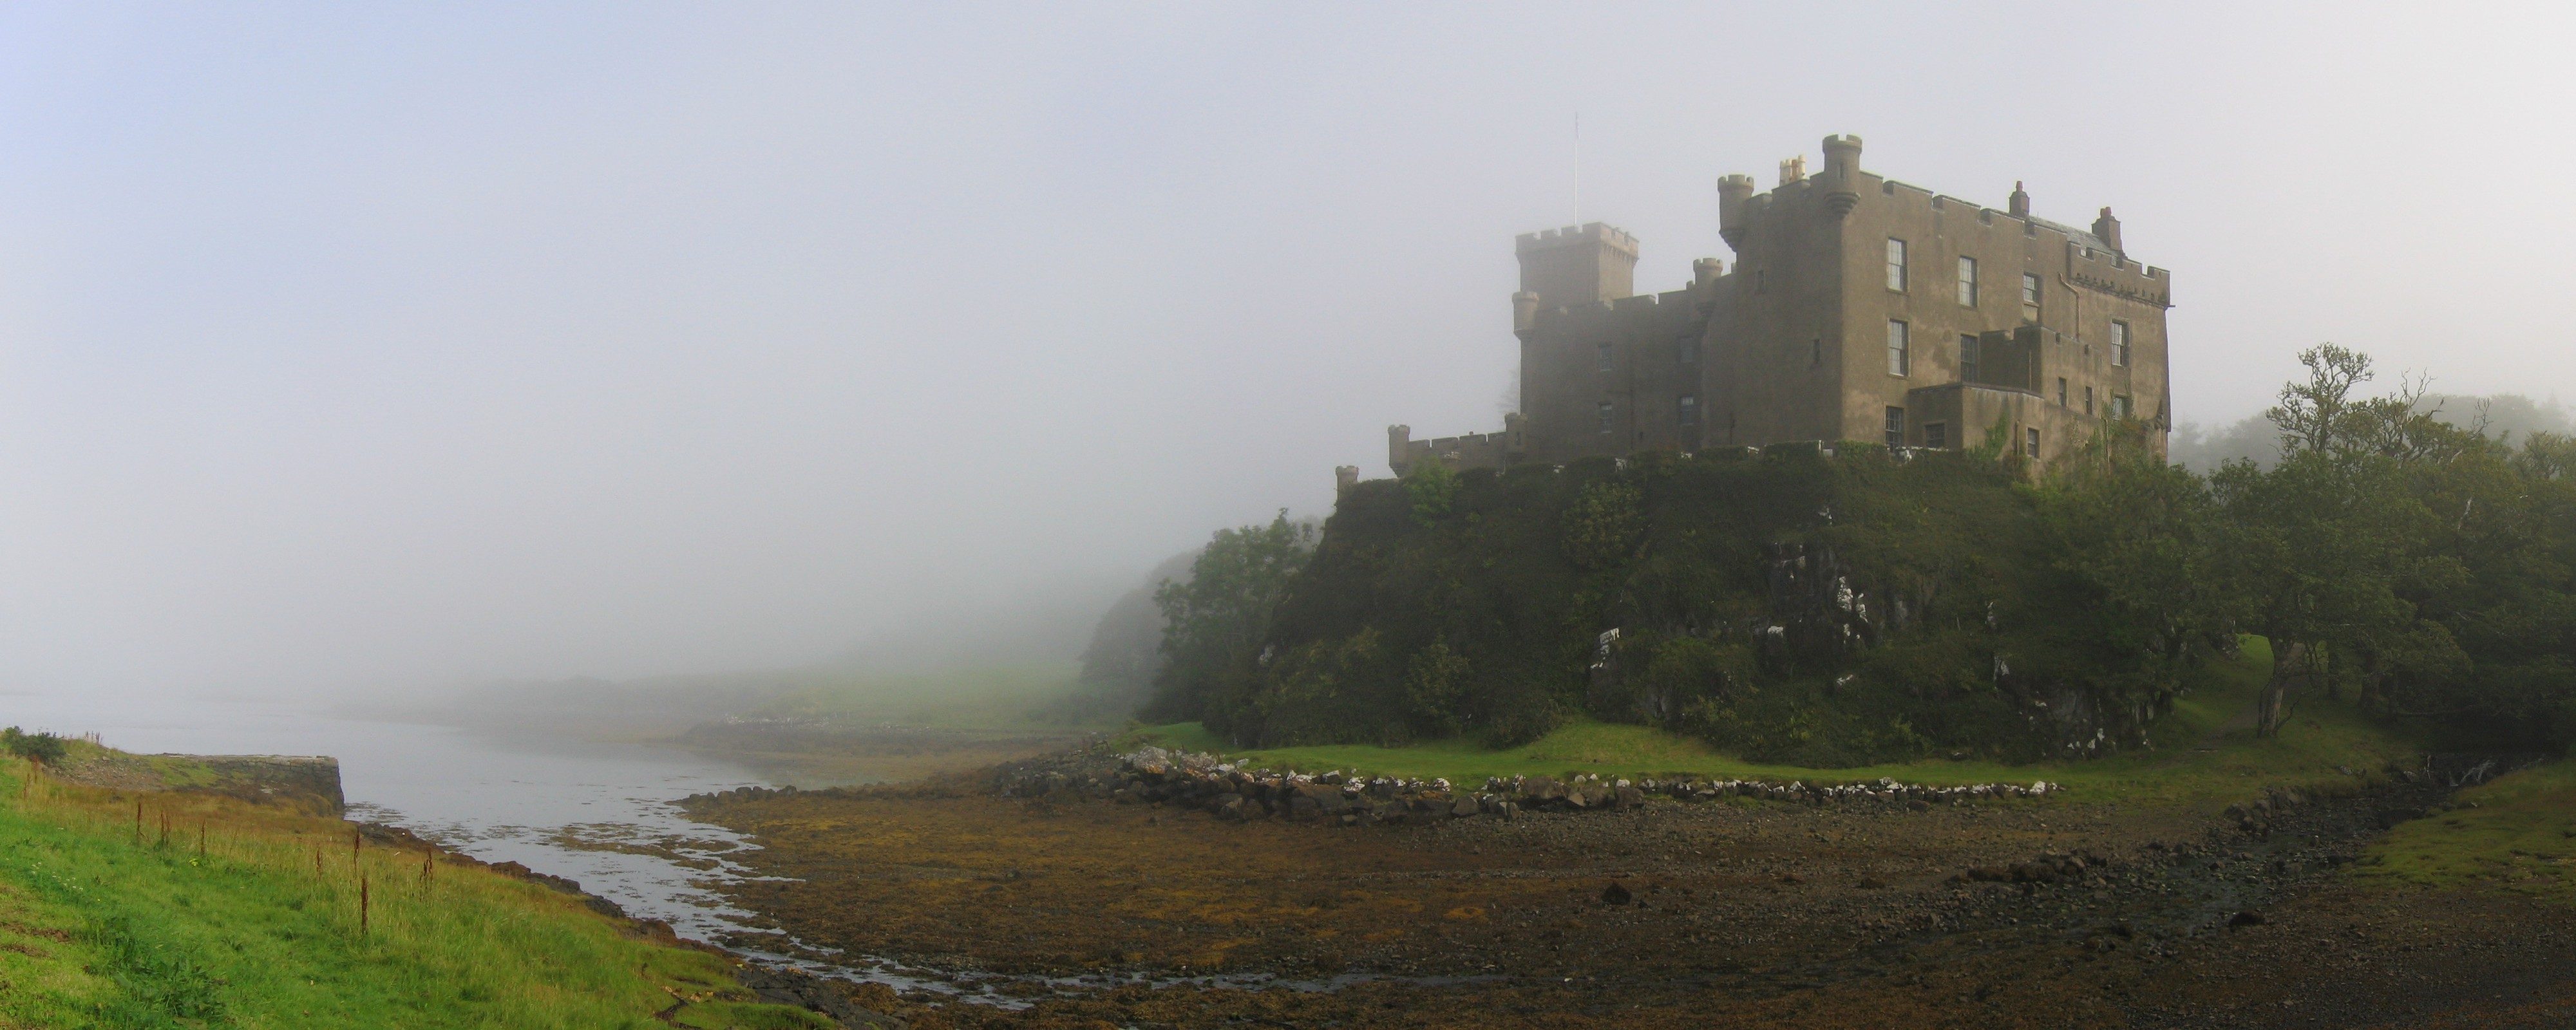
{"x":2030,"y":296}
{"x":1687,"y":348}
{"x":2030,"y":443}
{"x":1689,"y":410}
{"x":1896,"y":427}
{"x":2061,"y":391}
{"x":1968,"y":354}
{"x":2088,"y":400}
{"x":1605,"y":416}
{"x":1936,"y":435}
{"x":1900,"y":356}
{"x":2120,"y":344}
{"x":1967,"y":282}
{"x":2119,"y":406}
{"x":1896,"y":265}
{"x":1601,"y":358}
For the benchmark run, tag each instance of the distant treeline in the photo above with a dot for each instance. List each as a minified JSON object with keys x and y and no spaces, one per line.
{"x":1844,"y":608}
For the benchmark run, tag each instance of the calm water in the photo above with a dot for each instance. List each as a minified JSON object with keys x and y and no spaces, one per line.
{"x":550,"y":805}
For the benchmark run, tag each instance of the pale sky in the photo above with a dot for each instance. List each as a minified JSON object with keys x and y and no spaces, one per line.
{"x":368,"y":345}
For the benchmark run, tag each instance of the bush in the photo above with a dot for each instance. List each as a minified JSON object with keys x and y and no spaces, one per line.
{"x":40,"y":748}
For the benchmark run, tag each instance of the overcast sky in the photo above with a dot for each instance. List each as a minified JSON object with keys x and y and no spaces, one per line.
{"x":360,"y":345}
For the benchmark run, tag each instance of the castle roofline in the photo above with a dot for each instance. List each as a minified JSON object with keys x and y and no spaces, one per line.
{"x":1576,"y":235}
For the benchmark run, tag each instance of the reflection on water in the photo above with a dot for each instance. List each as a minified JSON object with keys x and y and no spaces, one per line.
{"x":595,"y":812}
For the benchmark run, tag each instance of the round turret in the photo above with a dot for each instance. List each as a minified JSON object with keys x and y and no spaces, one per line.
{"x":1734,"y":192}
{"x":1842,"y":174}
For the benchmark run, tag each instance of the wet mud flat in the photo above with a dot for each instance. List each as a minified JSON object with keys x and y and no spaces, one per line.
{"x":1068,"y":910}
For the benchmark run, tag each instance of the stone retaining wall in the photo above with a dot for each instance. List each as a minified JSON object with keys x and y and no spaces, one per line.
{"x":1153,"y":775}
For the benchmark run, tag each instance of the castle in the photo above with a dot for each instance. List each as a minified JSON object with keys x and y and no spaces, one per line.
{"x":1859,"y":308}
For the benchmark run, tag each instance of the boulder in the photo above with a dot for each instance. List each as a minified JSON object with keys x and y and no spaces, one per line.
{"x":1463,"y":808}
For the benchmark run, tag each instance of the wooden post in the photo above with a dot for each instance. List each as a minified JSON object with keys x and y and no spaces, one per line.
{"x":317,"y":859}
{"x":138,"y":821}
{"x":354,"y":838}
{"x":201,"y":838}
{"x":362,"y":903}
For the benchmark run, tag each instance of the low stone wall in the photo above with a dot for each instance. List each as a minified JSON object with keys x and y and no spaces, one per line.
{"x":1153,"y":775}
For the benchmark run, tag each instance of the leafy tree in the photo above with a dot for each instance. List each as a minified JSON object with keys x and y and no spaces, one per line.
{"x":2138,"y":533}
{"x":1603,"y":526}
{"x":2332,"y":550}
{"x":1431,"y":485}
{"x":1215,"y":623}
{"x":1436,"y":683}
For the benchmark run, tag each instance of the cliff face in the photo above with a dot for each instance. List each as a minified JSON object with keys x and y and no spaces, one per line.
{"x":308,"y":785}
{"x":1790,"y":604}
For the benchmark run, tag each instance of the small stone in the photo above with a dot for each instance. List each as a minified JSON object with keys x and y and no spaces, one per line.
{"x":1615,"y":894}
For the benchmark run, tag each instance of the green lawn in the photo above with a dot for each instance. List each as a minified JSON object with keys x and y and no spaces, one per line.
{"x":2321,"y":736}
{"x":2517,"y":833}
{"x":104,"y":924}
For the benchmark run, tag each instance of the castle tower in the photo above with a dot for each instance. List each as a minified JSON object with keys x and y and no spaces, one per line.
{"x":1733,"y":192}
{"x":1842,"y":174}
{"x":1577,"y":265}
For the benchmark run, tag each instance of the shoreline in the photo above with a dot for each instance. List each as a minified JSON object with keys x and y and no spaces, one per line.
{"x":1058,"y":901}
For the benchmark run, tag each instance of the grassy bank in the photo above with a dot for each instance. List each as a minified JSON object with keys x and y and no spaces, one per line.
{"x":2204,"y":751}
{"x":205,"y":911}
{"x":2517,"y":833}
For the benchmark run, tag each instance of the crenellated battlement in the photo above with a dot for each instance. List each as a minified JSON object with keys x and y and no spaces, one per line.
{"x":1471,"y":450}
{"x":2113,"y":273}
{"x":1576,"y":236}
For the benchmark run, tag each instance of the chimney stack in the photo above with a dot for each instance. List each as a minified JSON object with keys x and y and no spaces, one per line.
{"x":2108,"y":228}
{"x":2019,"y":205}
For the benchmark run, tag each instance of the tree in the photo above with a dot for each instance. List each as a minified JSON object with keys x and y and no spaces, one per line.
{"x":1431,"y":486}
{"x":2139,"y":535}
{"x":1215,"y":622}
{"x":2332,"y":551}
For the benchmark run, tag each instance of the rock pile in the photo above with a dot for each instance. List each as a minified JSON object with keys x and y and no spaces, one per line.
{"x":1153,"y":775}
